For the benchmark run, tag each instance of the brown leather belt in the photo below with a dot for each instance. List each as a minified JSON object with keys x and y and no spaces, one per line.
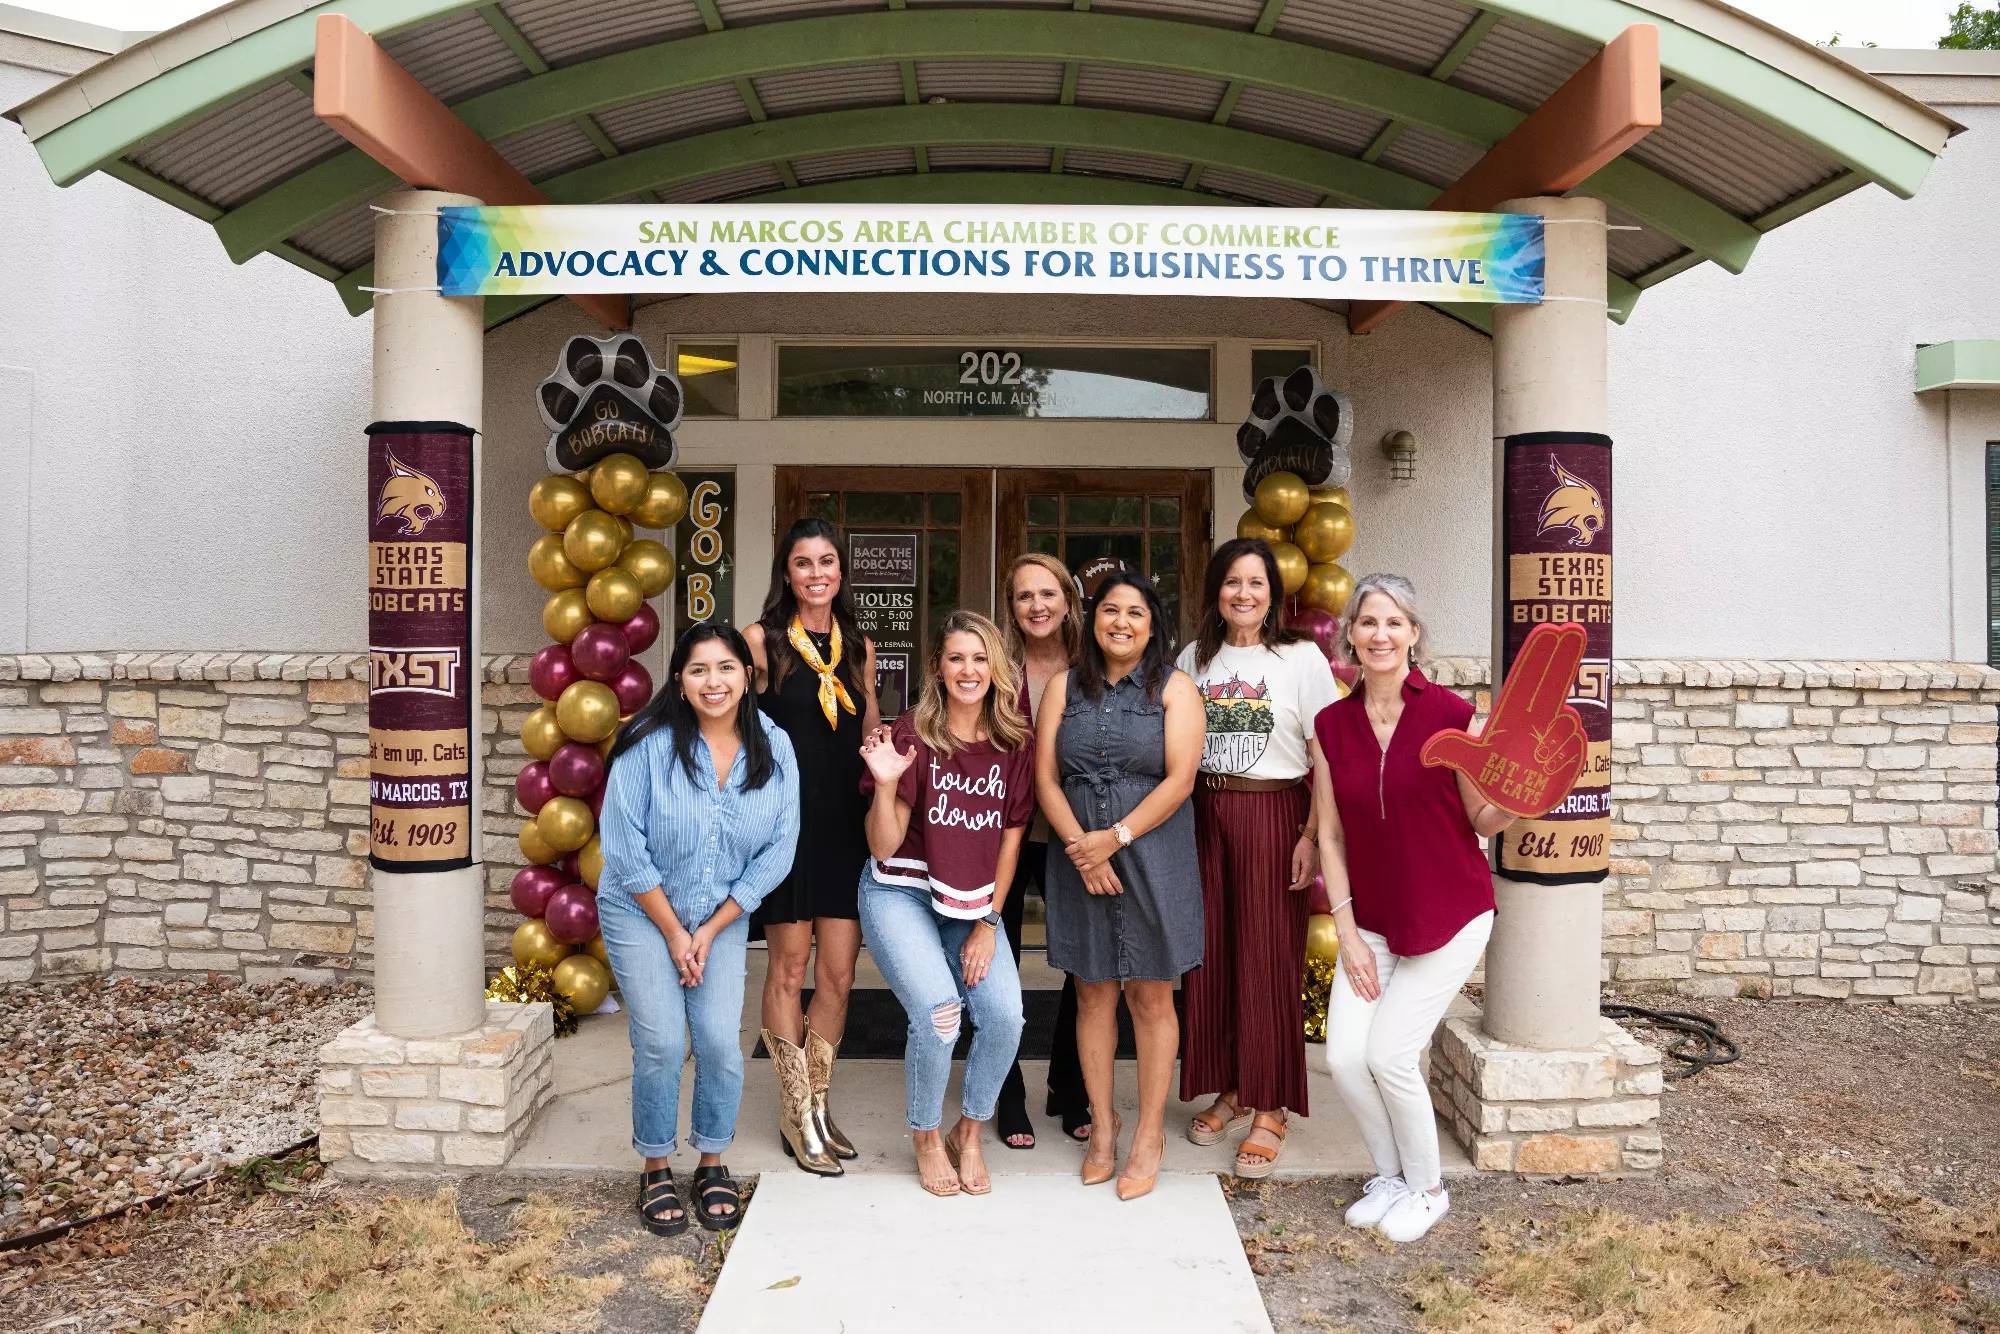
{"x":1232,"y":783}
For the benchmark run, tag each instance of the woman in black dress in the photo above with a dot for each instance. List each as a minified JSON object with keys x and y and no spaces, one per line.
{"x":816,"y":680}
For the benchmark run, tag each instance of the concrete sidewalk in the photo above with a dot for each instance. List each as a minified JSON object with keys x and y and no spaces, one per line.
{"x":589,"y":1125}
{"x":876,"y":1254}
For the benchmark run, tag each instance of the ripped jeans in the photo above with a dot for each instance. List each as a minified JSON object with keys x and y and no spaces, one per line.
{"x":918,"y":953}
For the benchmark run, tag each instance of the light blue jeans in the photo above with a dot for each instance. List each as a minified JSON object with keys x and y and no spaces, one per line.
{"x":917,"y":951}
{"x":664,"y":1014}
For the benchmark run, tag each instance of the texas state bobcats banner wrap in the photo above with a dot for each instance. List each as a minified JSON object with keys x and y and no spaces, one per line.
{"x":1311,"y":254}
{"x":420,"y":737}
{"x":1556,"y":516}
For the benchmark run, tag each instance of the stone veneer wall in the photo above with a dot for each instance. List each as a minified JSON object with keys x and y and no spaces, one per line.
{"x":1783,"y":829}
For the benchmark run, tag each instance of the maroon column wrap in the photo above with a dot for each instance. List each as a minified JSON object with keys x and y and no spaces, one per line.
{"x":420,"y":667}
{"x":1556,"y":519}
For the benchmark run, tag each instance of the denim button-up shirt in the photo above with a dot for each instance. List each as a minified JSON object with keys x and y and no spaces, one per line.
{"x":703,"y":843}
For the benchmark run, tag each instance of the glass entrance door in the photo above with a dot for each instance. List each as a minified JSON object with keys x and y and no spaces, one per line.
{"x":919,"y":545}
{"x":1155,"y":519}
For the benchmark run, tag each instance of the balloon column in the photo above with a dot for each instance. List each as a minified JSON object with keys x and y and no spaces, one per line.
{"x":612,"y":415}
{"x":1309,"y":529}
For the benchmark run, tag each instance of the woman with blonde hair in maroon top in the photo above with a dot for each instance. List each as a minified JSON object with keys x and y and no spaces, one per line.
{"x":1412,"y":896}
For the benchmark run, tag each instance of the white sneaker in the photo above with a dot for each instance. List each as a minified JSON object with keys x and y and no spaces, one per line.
{"x":1414,"y":1214}
{"x":1377,"y":1198}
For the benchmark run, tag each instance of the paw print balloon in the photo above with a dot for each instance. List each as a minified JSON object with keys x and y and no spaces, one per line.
{"x":1297,"y":425}
{"x":607,"y":397}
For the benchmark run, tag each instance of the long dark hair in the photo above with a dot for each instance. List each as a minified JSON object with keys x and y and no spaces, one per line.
{"x":781,"y":604}
{"x":1155,"y":663}
{"x":670,"y":709}
{"x":1211,"y":630}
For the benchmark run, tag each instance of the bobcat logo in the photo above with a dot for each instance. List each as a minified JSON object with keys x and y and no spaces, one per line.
{"x":410,"y":496}
{"x":1297,"y":425}
{"x":1575,"y":505}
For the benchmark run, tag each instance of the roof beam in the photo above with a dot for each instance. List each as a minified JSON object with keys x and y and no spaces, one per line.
{"x":348,"y":180}
{"x":1607,"y":106}
{"x":376,"y":105}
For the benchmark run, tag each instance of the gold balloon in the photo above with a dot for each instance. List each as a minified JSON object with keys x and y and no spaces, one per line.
{"x":535,"y":943}
{"x":593,"y":540}
{"x":1322,"y":937}
{"x":665,"y":502}
{"x":565,"y":613}
{"x":1325,"y":533}
{"x":535,"y":847}
{"x":565,"y":823}
{"x":595,"y":949}
{"x":604,"y":746}
{"x":1327,"y":587}
{"x":614,"y":595}
{"x":626,"y":532}
{"x":541,"y":735}
{"x":1291,"y":566}
{"x":556,"y":499}
{"x":1282,"y":499}
{"x":590,"y":862}
{"x":587,"y":711}
{"x":618,"y":483}
{"x":1334,"y":495}
{"x":650,"y":563}
{"x":549,"y":567}
{"x":1252,"y":526}
{"x":585,"y":981}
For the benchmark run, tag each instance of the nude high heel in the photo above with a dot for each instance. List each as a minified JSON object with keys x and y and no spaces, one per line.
{"x":1093,"y":1175}
{"x":1131,"y":1188}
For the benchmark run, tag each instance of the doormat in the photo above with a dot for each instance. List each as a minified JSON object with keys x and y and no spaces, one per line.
{"x":876,"y":1027}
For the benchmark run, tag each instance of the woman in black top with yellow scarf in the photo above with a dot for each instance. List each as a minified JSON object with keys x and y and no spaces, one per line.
{"x":816,"y":680}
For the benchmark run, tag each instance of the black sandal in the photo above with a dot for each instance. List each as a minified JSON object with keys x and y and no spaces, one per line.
{"x":1076,"y":1124}
{"x":1012,"y":1119}
{"x":709,"y":1184}
{"x":656,"y":1196}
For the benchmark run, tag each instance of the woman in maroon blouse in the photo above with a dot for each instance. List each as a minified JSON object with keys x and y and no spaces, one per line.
{"x":1412,"y":895}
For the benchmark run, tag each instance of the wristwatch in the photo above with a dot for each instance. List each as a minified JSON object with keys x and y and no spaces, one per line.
{"x":992,"y":919}
{"x":1124,"y":834}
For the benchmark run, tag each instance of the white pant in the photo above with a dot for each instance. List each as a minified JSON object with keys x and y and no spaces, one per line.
{"x":1373,"y":1047}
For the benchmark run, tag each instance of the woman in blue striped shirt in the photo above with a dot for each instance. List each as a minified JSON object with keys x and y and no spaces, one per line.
{"x":701,"y":820}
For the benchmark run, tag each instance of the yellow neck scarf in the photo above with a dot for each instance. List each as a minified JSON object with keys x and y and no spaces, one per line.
{"x":831,"y":691}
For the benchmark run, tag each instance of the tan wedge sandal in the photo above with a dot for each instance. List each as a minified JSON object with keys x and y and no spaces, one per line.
{"x":1255,"y":1161}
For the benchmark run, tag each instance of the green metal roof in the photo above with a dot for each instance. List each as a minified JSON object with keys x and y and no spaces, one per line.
{"x":1369,"y":103}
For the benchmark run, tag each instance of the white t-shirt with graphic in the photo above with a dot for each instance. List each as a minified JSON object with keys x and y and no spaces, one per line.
{"x":1260,"y":705}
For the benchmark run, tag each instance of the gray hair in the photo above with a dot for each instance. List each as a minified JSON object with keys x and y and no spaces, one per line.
{"x":1399,"y":591}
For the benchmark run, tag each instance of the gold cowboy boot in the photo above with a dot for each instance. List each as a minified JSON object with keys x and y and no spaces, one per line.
{"x":819,"y":1066}
{"x":795,"y":1119}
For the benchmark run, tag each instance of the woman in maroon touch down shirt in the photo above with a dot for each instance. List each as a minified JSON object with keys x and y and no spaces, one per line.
{"x":1412,"y":895}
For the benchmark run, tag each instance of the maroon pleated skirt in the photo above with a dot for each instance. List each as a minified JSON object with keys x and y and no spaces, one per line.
{"x":1245,"y":1022}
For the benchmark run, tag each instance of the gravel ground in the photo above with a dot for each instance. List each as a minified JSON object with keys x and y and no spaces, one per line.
{"x":113,"y":1090}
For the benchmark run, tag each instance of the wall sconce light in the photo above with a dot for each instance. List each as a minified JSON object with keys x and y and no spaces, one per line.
{"x":1400,"y":448}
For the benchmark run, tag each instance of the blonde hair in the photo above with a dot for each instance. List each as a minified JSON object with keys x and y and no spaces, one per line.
{"x":1002,"y":710}
{"x":1399,"y":591}
{"x":1072,"y":626}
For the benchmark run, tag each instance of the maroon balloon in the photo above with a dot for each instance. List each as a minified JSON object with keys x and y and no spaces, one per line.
{"x":572,"y":914}
{"x":569,"y":868}
{"x":1321,"y":624}
{"x":1346,"y":673}
{"x":576,"y":769}
{"x":599,"y":651}
{"x":532,"y":787}
{"x":553,"y":671}
{"x":533,"y":886}
{"x":642,"y":629}
{"x":633,"y":686}
{"x":597,"y":803}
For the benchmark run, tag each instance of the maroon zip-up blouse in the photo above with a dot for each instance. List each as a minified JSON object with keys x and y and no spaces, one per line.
{"x":1414,"y":864}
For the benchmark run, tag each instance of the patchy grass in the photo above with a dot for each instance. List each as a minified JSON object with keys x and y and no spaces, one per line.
{"x":410,"y":1263}
{"x":1596,"y":1270}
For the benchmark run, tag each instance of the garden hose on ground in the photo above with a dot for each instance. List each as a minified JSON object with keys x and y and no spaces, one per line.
{"x":1697,"y":1041}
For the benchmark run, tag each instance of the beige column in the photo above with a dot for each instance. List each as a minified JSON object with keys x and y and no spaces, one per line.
{"x":430,"y":975}
{"x":1546,"y":953}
